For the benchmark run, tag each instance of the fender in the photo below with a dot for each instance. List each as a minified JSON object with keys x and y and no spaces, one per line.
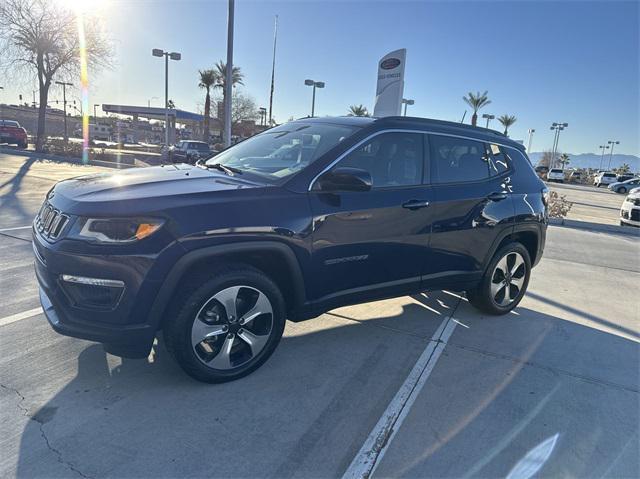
{"x":519,"y":228}
{"x":189,"y":259}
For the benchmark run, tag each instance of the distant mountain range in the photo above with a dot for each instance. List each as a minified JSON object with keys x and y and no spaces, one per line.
{"x":592,"y":160}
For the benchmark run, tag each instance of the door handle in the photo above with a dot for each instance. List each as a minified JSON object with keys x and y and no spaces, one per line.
{"x":497,"y":196}
{"x":415,"y":204}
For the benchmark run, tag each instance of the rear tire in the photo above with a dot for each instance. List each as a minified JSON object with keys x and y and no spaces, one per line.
{"x":622,"y":190}
{"x":226,"y":325}
{"x":504,"y":282}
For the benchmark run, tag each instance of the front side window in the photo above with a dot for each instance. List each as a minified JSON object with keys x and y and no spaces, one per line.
{"x":458,"y":159}
{"x":283,"y":151}
{"x":392,"y":159}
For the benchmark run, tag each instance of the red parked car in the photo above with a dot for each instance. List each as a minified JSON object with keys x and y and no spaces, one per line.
{"x":11,"y":132}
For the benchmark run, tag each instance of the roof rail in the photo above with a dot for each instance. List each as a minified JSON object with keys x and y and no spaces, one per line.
{"x":443,"y":123}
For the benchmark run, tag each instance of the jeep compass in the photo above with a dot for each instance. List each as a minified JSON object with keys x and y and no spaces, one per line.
{"x":300,"y":219}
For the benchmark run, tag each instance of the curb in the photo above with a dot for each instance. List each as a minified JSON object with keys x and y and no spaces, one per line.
{"x":65,"y":159}
{"x":595,"y":227}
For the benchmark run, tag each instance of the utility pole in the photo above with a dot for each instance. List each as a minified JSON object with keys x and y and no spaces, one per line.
{"x":64,"y":102}
{"x":1,"y":88}
{"x":229,"y":77}
{"x":273,"y":70}
{"x":95,"y":115}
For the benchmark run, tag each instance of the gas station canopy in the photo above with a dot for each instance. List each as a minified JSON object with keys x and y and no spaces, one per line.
{"x":152,"y":112}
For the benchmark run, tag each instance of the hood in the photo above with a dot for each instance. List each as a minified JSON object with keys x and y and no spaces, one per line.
{"x":157,"y":186}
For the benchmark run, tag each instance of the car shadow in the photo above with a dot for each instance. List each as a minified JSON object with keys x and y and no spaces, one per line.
{"x":307,"y":411}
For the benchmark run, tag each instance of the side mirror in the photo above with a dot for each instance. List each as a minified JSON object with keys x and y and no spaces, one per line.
{"x":345,"y":179}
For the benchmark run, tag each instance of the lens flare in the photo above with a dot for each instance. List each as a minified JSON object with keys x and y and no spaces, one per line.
{"x":84,"y":88}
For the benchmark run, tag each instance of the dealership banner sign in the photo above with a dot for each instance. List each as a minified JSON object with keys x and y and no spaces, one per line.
{"x":390,"y":84}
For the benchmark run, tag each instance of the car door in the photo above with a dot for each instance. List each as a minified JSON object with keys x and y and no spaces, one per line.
{"x":472,"y":206}
{"x":367,"y":243}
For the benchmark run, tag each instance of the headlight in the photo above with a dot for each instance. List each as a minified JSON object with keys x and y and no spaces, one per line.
{"x":115,"y":230}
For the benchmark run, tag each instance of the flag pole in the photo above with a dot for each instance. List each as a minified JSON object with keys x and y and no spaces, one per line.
{"x":273,"y":69}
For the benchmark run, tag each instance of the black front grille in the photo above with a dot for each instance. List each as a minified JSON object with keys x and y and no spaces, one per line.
{"x":635,"y":215}
{"x":50,"y":222}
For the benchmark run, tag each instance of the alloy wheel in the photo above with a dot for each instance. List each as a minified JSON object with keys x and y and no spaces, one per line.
{"x":508,"y":279}
{"x":232,"y":327}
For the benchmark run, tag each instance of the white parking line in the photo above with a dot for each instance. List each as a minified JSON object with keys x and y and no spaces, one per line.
{"x":374,"y":448}
{"x":18,"y":316}
{"x":16,"y":228}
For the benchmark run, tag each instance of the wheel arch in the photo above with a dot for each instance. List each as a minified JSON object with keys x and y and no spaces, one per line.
{"x":275,"y":259}
{"x":528,"y":236}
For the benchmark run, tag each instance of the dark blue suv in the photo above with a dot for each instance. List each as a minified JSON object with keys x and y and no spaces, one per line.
{"x":303,"y":218}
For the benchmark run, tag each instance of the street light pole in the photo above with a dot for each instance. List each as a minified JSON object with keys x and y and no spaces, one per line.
{"x":64,"y":102}
{"x":531,"y":131}
{"x":1,"y":88}
{"x":558,"y":127}
{"x":612,"y":143}
{"x":602,"y":147}
{"x":407,"y":102}
{"x":488,"y":117}
{"x":157,"y":52}
{"x":228,"y":77}
{"x":95,"y":115}
{"x":314,"y":84}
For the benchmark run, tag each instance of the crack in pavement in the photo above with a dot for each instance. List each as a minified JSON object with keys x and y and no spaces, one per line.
{"x":58,"y":454}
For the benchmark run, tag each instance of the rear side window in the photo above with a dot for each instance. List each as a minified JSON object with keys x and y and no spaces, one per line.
{"x":498,"y":161}
{"x":458,"y":159}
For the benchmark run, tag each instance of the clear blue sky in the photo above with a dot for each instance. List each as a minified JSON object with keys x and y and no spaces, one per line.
{"x":541,"y":61}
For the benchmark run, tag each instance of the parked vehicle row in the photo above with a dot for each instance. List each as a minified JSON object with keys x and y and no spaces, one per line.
{"x":623,"y":187}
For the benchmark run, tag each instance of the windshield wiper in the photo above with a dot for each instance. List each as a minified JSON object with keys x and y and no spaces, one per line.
{"x":229,"y":170}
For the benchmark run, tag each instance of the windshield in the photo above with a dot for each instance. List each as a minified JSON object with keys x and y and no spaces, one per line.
{"x":280,"y":152}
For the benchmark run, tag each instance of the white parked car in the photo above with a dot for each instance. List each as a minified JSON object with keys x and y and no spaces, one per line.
{"x":624,"y":186}
{"x":630,"y":209}
{"x":605,"y":178}
{"x":555,"y":174}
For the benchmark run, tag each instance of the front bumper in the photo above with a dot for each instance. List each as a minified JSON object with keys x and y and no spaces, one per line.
{"x":125,"y":325}
{"x":630,"y":215}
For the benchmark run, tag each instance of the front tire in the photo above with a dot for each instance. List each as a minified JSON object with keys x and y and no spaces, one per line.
{"x":228,"y":326}
{"x":504,"y":282}
{"x":622,"y":190}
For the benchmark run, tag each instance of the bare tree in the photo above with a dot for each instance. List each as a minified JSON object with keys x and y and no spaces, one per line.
{"x":243,"y":107}
{"x":547,"y":156}
{"x":43,"y":36}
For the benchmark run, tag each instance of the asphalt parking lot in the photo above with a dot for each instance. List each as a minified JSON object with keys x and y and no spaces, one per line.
{"x":421,"y":386}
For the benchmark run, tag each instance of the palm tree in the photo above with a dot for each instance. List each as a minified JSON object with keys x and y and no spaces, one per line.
{"x":208,"y":79}
{"x":476,"y":102}
{"x":507,"y":121}
{"x":236,"y":79}
{"x":564,"y":160}
{"x":358,"y":110}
